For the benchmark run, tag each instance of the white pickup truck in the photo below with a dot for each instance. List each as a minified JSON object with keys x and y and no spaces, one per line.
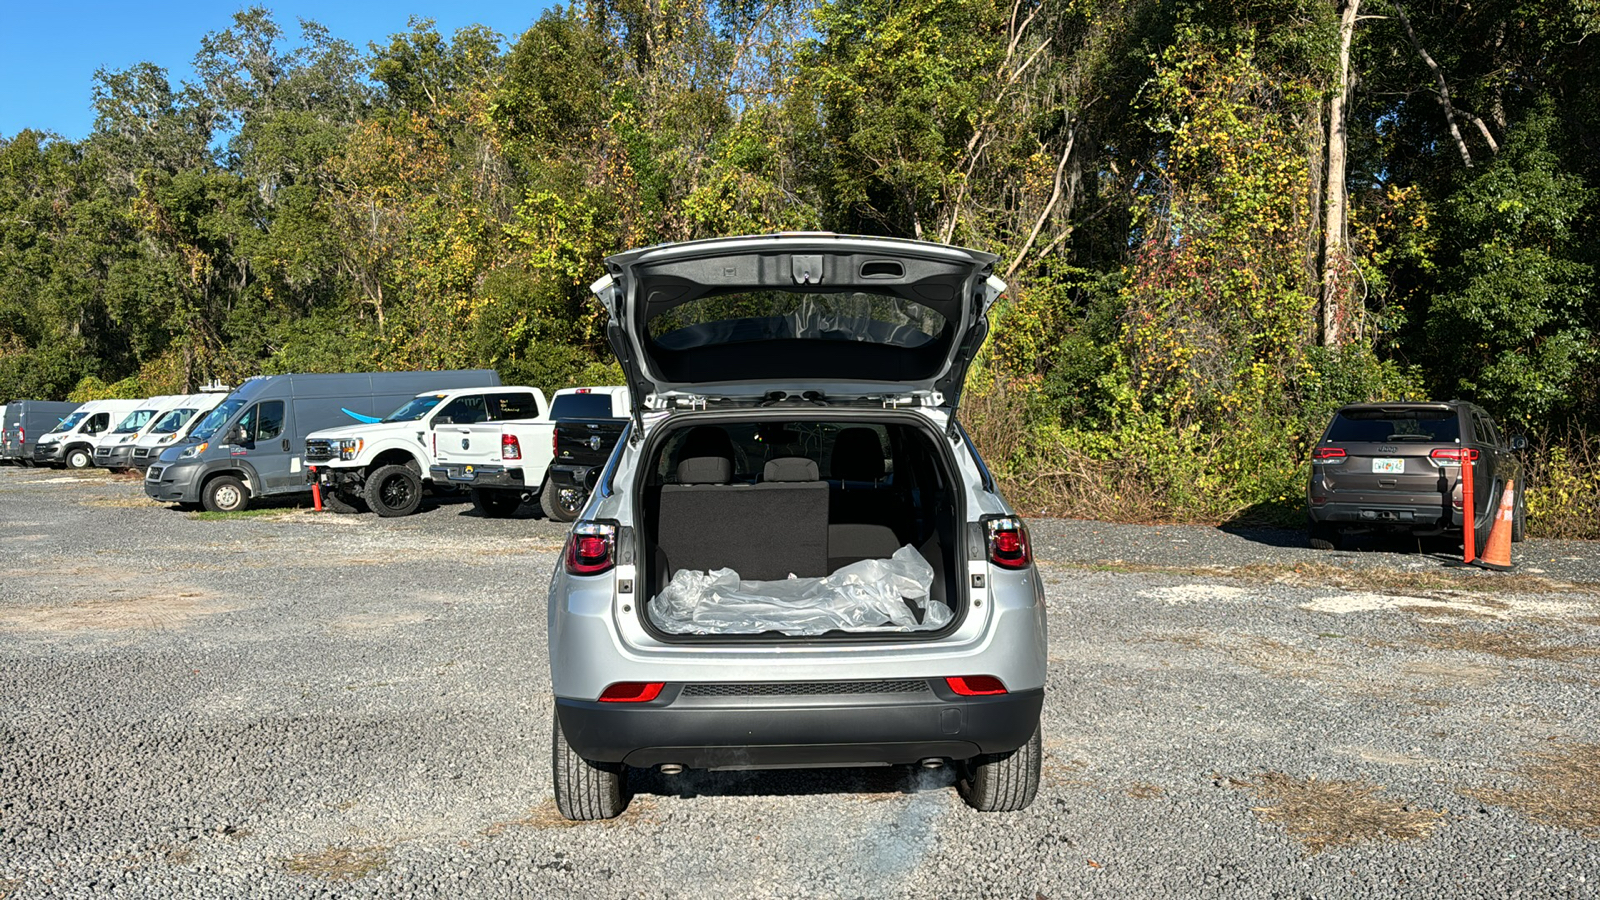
{"x":504,"y":464}
{"x":383,"y":465}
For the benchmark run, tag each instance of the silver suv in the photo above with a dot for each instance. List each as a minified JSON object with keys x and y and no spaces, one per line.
{"x":795,"y":557}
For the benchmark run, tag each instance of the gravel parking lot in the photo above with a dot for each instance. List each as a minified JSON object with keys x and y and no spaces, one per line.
{"x":300,"y":704}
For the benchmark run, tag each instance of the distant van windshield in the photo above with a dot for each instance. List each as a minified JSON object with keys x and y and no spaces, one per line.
{"x":69,"y":422}
{"x":134,"y":421}
{"x":217,"y":418}
{"x":1378,"y":426}
{"x":171,"y":422}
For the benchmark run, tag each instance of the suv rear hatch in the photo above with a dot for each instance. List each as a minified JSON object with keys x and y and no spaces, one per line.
{"x":838,"y":318}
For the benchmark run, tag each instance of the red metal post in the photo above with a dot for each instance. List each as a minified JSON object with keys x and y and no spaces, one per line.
{"x":1469,"y":518}
{"x":316,"y":491}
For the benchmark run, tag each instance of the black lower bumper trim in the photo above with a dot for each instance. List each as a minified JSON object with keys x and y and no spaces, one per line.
{"x":783,"y":732}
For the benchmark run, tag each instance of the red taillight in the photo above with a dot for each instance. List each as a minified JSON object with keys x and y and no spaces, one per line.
{"x":590,"y":548}
{"x":435,"y":437}
{"x":553,"y":443}
{"x":1327,"y":453}
{"x":1455,"y":455}
{"x":1008,"y":543}
{"x":632,"y":692}
{"x":509,"y":448}
{"x":976,"y":685}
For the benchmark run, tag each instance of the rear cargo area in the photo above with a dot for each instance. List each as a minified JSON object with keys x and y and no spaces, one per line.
{"x":800,"y":527}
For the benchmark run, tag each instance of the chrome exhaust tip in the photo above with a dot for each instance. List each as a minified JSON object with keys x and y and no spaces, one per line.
{"x":933,"y":762}
{"x":671,"y":769}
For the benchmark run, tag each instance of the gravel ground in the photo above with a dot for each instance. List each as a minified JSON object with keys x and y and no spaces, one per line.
{"x":303,"y":704}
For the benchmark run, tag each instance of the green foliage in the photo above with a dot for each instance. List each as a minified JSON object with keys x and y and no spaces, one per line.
{"x":1150,"y":174}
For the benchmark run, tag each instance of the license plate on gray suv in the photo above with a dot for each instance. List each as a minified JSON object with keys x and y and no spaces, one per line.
{"x":1388,"y":466}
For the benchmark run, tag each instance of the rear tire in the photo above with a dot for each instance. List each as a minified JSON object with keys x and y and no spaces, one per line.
{"x":585,"y":790}
{"x":1325,"y":537}
{"x":1003,"y":782}
{"x":79,"y":458}
{"x":394,"y":491}
{"x":342,"y":503}
{"x":225,"y":493}
{"x":559,"y":508}
{"x":492,"y":504}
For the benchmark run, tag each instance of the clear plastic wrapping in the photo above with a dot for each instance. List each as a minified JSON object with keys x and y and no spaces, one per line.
{"x":871,"y":595}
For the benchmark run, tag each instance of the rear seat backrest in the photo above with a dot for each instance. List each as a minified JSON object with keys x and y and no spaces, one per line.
{"x":764,"y":531}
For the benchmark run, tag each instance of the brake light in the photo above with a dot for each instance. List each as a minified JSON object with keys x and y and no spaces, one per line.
{"x":435,"y":436}
{"x":554,"y":443}
{"x":591,"y":548}
{"x":976,"y":685}
{"x":509,"y":448}
{"x":1452,"y":456}
{"x":1328,"y":455}
{"x":1008,"y":543}
{"x":632,"y":692}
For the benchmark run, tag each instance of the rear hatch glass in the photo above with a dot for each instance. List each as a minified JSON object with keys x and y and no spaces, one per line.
{"x":1389,"y":426}
{"x":581,"y":406}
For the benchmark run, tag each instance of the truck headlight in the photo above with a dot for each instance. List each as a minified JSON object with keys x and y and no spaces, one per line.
{"x":196,"y":450}
{"x":350,"y":448}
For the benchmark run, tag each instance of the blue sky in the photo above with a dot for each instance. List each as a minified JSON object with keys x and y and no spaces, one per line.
{"x":49,"y":51}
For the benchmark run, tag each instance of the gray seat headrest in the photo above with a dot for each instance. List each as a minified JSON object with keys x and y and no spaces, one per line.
{"x":857,"y":455}
{"x":790,"y":468}
{"x":705,"y":470}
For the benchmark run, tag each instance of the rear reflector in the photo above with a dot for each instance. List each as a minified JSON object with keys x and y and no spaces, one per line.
{"x":976,"y":685}
{"x":1008,"y":543}
{"x":632,"y":692}
{"x":590,"y":548}
{"x":509,"y":447}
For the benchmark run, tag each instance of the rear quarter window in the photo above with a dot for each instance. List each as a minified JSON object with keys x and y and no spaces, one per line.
{"x":581,"y":406}
{"x":1384,"y":426}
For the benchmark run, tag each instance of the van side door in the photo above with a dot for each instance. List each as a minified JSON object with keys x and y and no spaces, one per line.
{"x":263,"y":433}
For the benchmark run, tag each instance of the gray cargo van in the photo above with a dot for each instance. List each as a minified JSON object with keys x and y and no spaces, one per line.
{"x":24,"y":422}
{"x":252,"y":444}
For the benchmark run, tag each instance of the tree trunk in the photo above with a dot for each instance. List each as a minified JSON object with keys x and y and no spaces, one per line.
{"x":1334,"y":253}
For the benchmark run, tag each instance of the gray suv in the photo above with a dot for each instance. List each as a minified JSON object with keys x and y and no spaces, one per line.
{"x":795,"y":557}
{"x":1397,"y":467}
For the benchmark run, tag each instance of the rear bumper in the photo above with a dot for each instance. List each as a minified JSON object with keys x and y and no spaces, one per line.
{"x":797,"y":730}
{"x":1422,"y":512}
{"x":479,"y":476}
{"x":570,"y":476}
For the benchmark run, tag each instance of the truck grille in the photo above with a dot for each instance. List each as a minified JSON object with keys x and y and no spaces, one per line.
{"x":141,"y":452}
{"x":804,"y":688}
{"x":102,"y":452}
{"x":319,"y":450}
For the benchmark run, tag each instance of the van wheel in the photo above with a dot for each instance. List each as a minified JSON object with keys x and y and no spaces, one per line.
{"x":1003,"y":782}
{"x":342,"y":503}
{"x":1519,"y":517}
{"x":496,"y":504}
{"x":394,"y":491}
{"x":561,"y":504}
{"x":225,"y":493}
{"x":79,"y":458}
{"x":585,"y":790}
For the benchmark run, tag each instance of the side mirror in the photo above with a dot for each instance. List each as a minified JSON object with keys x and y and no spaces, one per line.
{"x":238,"y":435}
{"x":1519,"y":442}
{"x":443,"y":420}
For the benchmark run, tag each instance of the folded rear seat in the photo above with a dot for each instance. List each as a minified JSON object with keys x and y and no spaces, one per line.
{"x":764,"y":531}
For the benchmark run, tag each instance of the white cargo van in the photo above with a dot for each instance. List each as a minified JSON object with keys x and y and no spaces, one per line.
{"x":116,"y":447}
{"x":173,"y":427}
{"x":72,"y":443}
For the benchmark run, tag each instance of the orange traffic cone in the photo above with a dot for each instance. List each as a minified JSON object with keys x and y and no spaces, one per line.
{"x":1497,"y":553}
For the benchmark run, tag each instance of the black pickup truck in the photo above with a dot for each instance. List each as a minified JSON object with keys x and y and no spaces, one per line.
{"x":589,"y":422}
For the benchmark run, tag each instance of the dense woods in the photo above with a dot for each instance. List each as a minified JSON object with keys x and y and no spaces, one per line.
{"x":1218,"y":220}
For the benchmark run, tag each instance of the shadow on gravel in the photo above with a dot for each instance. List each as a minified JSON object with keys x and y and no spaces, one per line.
{"x":868,"y":782}
{"x":1441,"y":548}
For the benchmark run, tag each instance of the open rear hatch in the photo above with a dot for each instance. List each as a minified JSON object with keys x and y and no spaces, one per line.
{"x":839,"y":319}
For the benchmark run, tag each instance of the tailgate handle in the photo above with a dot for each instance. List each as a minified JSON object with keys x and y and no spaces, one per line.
{"x":1387,"y":482}
{"x":806,"y":269}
